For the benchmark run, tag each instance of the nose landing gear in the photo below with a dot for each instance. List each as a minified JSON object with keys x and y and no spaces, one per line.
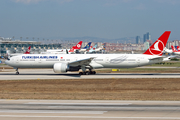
{"x":17,"y":72}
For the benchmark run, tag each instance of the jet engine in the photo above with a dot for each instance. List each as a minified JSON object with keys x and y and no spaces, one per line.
{"x":60,"y":67}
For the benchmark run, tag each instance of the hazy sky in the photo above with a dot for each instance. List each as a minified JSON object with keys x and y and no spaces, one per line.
{"x":94,"y":18}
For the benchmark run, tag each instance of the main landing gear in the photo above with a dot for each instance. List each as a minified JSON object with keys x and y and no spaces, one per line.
{"x":87,"y":73}
{"x":17,"y":72}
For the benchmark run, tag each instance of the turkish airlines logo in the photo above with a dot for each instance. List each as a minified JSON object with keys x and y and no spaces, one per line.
{"x":28,"y":50}
{"x":158,"y":48}
{"x":78,"y":45}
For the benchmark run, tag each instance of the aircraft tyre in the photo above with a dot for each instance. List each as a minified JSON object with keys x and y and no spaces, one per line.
{"x":17,"y":72}
{"x":87,"y":73}
{"x":94,"y":72}
{"x":80,"y":73}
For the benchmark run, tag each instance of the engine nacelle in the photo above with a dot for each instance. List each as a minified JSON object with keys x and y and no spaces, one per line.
{"x":60,"y":67}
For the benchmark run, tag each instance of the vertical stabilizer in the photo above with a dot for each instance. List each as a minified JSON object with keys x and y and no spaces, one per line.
{"x":78,"y":46}
{"x":28,"y":50}
{"x":159,"y":45}
{"x":173,"y":48}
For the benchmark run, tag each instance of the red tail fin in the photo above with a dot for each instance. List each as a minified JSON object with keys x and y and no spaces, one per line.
{"x":72,"y":49}
{"x":158,"y":46}
{"x":28,"y":50}
{"x":78,"y":46}
{"x":173,"y":49}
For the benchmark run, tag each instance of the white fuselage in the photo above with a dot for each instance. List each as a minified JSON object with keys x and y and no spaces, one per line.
{"x":82,"y":50}
{"x":99,"y":61}
{"x":168,"y":51}
{"x":176,"y":53}
{"x":98,"y":49}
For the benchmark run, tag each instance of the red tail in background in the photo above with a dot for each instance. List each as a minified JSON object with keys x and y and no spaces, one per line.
{"x":173,"y":49}
{"x":28,"y":50}
{"x":78,"y":46}
{"x":159,"y":45}
{"x":72,"y":49}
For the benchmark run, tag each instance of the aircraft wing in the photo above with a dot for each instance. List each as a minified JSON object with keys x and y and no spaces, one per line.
{"x":84,"y":62}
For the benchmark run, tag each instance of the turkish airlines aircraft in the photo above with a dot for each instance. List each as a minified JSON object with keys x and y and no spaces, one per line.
{"x":175,"y":51}
{"x":63,"y":51}
{"x":56,"y":51}
{"x":74,"y":62}
{"x":15,"y":54}
{"x":74,"y":48}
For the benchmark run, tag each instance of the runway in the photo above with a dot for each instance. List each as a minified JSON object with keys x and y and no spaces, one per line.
{"x":89,"y":109}
{"x":27,"y":74}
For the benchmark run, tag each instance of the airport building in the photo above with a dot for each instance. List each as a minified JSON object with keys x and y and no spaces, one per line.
{"x":18,"y":46}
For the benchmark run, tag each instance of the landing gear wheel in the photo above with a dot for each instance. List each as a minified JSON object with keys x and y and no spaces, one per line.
{"x":88,"y":73}
{"x":17,"y":73}
{"x":94,"y":72}
{"x":80,"y":73}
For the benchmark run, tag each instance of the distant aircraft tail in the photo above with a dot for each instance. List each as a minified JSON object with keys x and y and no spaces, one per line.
{"x":28,"y":50}
{"x":173,"y":48}
{"x":78,"y":46}
{"x":94,"y":47}
{"x":72,"y":49}
{"x":87,"y":46}
{"x":177,"y":48}
{"x":158,"y":46}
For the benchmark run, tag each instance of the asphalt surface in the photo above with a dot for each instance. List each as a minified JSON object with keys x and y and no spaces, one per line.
{"x":88,"y":109}
{"x":27,"y":74}
{"x":85,"y":109}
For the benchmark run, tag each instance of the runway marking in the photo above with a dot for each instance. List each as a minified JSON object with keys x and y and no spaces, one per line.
{"x":80,"y":103}
{"x":93,"y":117}
{"x":52,"y":111}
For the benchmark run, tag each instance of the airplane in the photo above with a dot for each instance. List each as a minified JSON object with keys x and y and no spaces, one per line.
{"x":56,"y":51}
{"x":175,"y":51}
{"x":63,"y":63}
{"x":74,"y":48}
{"x":15,"y":54}
{"x":93,"y":49}
{"x":87,"y":47}
{"x":177,"y":48}
{"x":167,"y":50}
{"x":99,"y":49}
{"x":63,"y":51}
